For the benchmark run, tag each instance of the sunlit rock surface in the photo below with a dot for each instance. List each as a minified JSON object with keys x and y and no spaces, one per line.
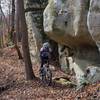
{"x":34,"y":19}
{"x":93,"y":20}
{"x":72,"y":23}
{"x":65,"y":21}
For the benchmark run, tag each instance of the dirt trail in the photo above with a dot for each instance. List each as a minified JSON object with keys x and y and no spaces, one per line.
{"x":11,"y":69}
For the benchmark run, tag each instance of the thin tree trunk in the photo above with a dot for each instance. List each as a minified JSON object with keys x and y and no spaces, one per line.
{"x":12,"y":21}
{"x":28,"y":64}
{"x":9,"y":19}
{"x":17,"y":22}
{"x":13,"y":34}
{"x":17,"y":32}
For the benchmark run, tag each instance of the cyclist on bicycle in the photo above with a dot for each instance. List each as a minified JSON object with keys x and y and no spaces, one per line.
{"x":45,"y":72}
{"x":45,"y":53}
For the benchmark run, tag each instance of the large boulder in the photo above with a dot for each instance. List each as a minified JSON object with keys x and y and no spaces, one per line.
{"x":35,"y":40}
{"x":65,"y":21}
{"x":93,"y":20}
{"x":34,"y":19}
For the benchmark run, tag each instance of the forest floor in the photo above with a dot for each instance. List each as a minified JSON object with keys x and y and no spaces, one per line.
{"x":12,"y":73}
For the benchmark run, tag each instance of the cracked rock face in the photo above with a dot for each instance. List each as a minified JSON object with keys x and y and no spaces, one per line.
{"x":75,"y":23}
{"x":65,"y":21}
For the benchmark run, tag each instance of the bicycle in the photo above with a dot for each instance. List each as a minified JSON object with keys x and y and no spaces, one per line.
{"x":46,"y":74}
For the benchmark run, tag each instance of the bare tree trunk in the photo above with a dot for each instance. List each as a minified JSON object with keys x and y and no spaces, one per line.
{"x":28,"y":64}
{"x":12,"y":21}
{"x":17,"y":22}
{"x":9,"y":17}
{"x":13,"y":34}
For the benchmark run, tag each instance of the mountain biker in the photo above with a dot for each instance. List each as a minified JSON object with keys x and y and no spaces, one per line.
{"x":45,"y":53}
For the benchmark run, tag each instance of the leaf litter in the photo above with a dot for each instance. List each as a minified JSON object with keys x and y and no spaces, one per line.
{"x":12,"y":72}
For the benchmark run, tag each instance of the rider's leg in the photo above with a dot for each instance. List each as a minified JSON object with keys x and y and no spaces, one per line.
{"x":42,"y":61}
{"x":41,"y":67}
{"x":41,"y":71}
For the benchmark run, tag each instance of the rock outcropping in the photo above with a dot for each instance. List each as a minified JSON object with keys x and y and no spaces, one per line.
{"x":93,"y":20}
{"x":73,"y":24}
{"x":34,"y":19}
{"x":65,"y":21}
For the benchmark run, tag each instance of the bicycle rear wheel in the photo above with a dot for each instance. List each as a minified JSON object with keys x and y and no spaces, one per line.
{"x":46,"y":75}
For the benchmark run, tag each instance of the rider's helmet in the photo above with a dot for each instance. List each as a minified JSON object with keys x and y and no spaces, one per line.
{"x":46,"y":45}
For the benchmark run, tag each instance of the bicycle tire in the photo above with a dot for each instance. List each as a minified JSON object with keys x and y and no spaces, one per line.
{"x":46,"y":75}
